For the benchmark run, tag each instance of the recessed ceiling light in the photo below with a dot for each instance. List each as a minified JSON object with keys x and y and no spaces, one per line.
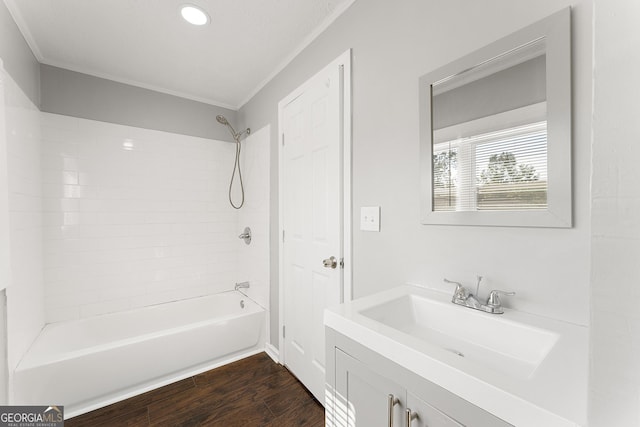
{"x":194,"y":15}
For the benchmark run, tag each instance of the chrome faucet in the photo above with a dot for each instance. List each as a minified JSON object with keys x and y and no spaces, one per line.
{"x":463,"y":297}
{"x":242,"y":285}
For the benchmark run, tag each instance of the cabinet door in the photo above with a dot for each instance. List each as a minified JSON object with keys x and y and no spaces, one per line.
{"x":362,"y":395}
{"x":426,"y":415}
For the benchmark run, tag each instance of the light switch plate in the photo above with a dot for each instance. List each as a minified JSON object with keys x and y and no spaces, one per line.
{"x":370,"y":218}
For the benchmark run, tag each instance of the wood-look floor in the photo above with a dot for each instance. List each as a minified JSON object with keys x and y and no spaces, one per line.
{"x":250,"y":392}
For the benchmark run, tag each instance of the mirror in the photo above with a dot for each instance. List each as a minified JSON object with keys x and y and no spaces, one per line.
{"x":496,"y":132}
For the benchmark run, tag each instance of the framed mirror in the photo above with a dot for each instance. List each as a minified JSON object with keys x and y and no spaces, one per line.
{"x":495,"y":132}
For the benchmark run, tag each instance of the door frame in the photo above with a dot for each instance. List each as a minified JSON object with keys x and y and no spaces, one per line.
{"x":344,"y":62}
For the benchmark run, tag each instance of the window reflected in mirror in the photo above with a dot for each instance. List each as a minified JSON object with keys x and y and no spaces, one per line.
{"x":501,"y":170}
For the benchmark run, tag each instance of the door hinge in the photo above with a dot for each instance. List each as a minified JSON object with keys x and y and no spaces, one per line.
{"x":283,"y":139}
{"x":283,"y":334}
{"x":283,"y":236}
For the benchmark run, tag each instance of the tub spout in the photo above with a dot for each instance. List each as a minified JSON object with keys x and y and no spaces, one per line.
{"x":242,"y":285}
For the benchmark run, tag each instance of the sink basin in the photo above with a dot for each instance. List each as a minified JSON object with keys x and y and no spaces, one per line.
{"x":489,"y":340}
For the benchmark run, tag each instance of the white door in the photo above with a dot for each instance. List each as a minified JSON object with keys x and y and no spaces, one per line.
{"x":311,"y":186}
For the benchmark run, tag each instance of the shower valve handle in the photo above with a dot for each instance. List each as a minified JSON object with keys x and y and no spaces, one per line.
{"x":246,"y":235}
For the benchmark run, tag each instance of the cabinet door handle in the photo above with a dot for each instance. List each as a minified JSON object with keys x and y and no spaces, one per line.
{"x":410,"y":416}
{"x":391,"y":402}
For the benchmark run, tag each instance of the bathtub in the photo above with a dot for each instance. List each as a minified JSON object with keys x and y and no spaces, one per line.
{"x":89,"y":363}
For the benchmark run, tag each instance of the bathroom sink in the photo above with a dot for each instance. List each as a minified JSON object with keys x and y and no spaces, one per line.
{"x":488,"y":340}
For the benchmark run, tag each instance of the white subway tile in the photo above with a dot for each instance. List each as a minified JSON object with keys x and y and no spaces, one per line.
{"x":617,"y":267}
{"x":70,"y":163}
{"x":128,"y":228}
{"x":61,"y":314}
{"x":105,"y":307}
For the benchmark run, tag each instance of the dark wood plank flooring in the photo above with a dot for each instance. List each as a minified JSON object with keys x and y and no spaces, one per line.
{"x":250,"y":392}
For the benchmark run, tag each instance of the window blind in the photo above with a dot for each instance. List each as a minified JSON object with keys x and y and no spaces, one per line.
{"x":493,"y":171}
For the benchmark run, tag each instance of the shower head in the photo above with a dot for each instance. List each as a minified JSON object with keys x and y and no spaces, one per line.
{"x":236,"y":135}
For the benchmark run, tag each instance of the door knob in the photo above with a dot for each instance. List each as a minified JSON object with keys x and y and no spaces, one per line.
{"x":331,"y":262}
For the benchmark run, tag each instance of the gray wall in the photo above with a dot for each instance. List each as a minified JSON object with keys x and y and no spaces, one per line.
{"x":60,"y":91}
{"x":393,"y":44}
{"x":17,"y":57}
{"x":81,"y":95}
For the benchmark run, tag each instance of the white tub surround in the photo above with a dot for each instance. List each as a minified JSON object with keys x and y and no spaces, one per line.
{"x":551,"y":393}
{"x":21,"y":228}
{"x":253,"y":259}
{"x":133,"y":217}
{"x":88,"y":363}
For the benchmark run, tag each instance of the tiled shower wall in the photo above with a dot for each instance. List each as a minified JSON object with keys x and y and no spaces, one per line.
{"x":25,"y":312}
{"x":133,"y":217}
{"x":253,"y":259}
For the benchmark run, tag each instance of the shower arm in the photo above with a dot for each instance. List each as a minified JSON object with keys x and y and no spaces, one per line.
{"x":236,"y":135}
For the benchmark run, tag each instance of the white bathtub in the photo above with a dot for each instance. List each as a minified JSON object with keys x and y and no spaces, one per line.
{"x":89,"y":363}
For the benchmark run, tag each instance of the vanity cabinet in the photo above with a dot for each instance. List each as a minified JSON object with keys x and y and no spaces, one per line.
{"x":366,"y":389}
{"x":371,"y":398}
{"x":365,"y":393}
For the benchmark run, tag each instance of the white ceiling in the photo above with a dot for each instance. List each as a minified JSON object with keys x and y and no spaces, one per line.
{"x":146,"y":43}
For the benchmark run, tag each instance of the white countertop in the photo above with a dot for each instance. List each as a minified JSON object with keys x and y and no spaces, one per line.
{"x":554,"y":395}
